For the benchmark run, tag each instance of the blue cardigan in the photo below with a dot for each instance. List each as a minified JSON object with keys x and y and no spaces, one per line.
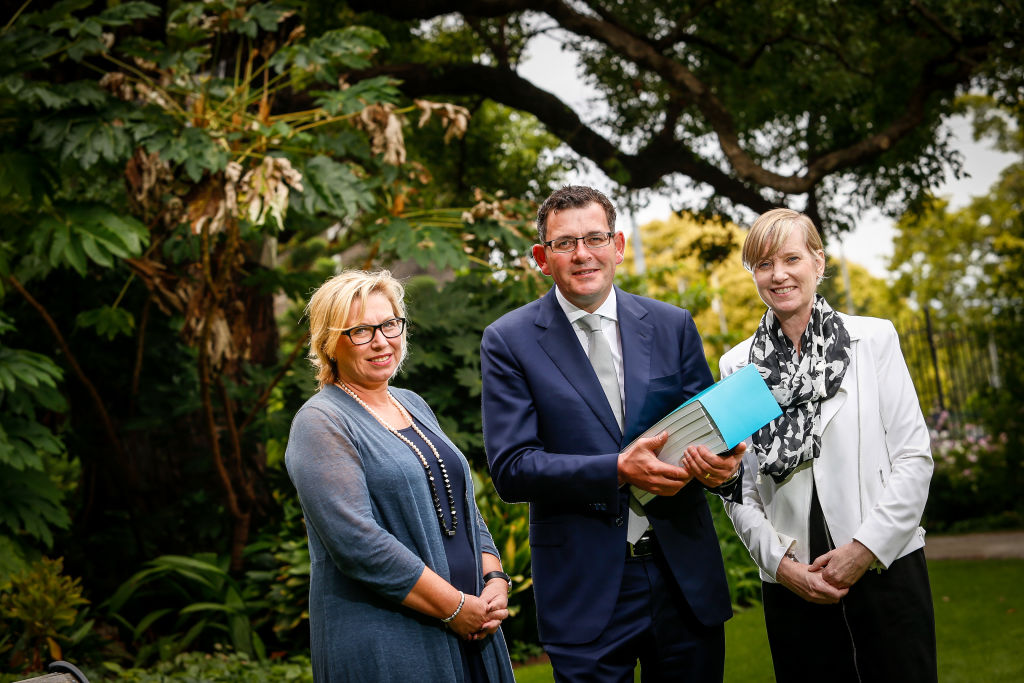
{"x":372,"y":528}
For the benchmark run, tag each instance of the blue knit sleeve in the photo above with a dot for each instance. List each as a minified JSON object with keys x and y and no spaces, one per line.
{"x":329,"y":475}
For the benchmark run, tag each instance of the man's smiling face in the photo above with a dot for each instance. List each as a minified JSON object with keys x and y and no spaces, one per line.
{"x":584,"y":275}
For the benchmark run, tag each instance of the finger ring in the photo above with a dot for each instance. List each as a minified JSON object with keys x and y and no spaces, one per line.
{"x":707,"y":475}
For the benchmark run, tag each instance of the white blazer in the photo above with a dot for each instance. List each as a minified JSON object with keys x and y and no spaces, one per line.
{"x":873,"y":472}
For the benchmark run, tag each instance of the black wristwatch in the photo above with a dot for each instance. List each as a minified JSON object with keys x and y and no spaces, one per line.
{"x":498,"y":574}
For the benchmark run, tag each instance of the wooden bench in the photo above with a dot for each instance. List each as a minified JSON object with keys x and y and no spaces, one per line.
{"x":60,"y":672}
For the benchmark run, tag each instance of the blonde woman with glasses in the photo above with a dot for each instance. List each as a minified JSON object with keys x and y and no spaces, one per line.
{"x":405,"y":581}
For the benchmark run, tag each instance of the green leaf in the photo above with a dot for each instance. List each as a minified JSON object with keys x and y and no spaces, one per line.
{"x":148,"y":620}
{"x":264,"y":16}
{"x":267,"y":15}
{"x":207,"y":607}
{"x":96,"y":139}
{"x":85,"y":47}
{"x":325,"y":56}
{"x":24,"y":179}
{"x":88,"y":232}
{"x":28,"y":368}
{"x":358,"y":96}
{"x":93,"y":251}
{"x":124,"y":13}
{"x":185,"y":563}
{"x":7,"y":381}
{"x":126,"y":589}
{"x":425,"y":244}
{"x":15,"y":451}
{"x":30,"y":503}
{"x":109,"y":322}
{"x":332,"y":188}
{"x":53,"y":15}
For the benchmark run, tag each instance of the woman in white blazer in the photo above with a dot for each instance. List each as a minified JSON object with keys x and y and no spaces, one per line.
{"x":833,"y":491}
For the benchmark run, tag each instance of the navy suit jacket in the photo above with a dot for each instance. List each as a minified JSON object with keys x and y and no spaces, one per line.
{"x":552,"y":441}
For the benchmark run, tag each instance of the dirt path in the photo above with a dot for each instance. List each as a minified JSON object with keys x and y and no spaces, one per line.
{"x":983,"y":546}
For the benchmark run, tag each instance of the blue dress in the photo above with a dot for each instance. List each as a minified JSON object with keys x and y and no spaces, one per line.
{"x":458,"y":548}
{"x":372,"y":529}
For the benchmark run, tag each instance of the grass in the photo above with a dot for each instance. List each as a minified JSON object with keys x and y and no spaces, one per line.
{"x":979,"y":627}
{"x":979,"y":619}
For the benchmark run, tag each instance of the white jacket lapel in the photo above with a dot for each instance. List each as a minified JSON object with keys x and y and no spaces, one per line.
{"x":830,"y":407}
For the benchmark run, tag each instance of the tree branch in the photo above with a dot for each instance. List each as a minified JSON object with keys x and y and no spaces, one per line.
{"x":97,"y":401}
{"x":265,"y":396}
{"x":935,"y":23}
{"x":205,"y":380}
{"x":633,"y":171}
{"x":140,"y":346}
{"x":425,"y":9}
{"x":941,"y":76}
{"x":236,"y":442}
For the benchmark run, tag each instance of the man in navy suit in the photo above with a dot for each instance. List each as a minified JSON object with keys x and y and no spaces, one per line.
{"x":555,"y":440}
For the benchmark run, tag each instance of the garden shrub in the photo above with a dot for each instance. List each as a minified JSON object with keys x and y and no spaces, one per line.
{"x":221,"y":666}
{"x":743,"y":575}
{"x":196,"y":594}
{"x":277,"y":581}
{"x":41,"y":604}
{"x":971,"y":486}
{"x":509,"y":524}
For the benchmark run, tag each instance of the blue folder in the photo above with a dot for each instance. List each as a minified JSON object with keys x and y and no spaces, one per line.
{"x":739,"y":405}
{"x":733,"y":409}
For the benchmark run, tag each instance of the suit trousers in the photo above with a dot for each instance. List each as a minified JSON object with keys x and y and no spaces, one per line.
{"x":651,"y":623}
{"x":883,"y":630}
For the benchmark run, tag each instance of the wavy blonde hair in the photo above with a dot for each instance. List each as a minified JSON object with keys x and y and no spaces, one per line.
{"x":330,"y":306}
{"x":771,"y":230}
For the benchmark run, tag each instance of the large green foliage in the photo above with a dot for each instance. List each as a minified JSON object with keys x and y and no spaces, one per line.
{"x":175,"y":179}
{"x":30,"y":502}
{"x":199,"y":594}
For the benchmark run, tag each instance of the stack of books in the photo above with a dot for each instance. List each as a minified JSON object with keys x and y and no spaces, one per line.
{"x":719,"y":417}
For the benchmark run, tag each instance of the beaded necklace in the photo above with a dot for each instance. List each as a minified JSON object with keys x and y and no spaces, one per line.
{"x":426,"y":466}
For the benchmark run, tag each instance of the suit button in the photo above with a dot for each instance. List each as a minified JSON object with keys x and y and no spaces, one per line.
{"x":619,"y":521}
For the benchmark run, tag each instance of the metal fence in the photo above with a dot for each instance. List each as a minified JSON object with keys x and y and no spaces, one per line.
{"x":949,"y":366}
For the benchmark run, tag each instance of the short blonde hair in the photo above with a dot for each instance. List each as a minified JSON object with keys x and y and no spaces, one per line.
{"x":330,"y":306}
{"x":771,"y":230}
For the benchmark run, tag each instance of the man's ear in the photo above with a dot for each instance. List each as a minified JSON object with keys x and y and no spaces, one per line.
{"x":541,"y":257}
{"x":620,"y":247}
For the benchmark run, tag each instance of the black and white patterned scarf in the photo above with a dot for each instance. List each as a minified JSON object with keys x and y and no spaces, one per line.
{"x":799,"y":385}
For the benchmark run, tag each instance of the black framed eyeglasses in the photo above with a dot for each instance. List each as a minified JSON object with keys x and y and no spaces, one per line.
{"x":363,"y":334}
{"x":595,"y":240}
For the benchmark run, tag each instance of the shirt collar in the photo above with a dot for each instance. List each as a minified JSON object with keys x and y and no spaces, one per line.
{"x":608,"y":309}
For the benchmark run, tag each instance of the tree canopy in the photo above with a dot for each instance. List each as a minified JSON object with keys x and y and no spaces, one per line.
{"x":965,"y":264}
{"x":828,"y":107}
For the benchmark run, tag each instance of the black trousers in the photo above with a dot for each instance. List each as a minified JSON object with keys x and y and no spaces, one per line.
{"x":883,"y":630}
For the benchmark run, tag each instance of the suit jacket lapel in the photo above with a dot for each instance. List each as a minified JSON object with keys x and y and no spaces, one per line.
{"x":560,"y":343}
{"x":636,"y":333}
